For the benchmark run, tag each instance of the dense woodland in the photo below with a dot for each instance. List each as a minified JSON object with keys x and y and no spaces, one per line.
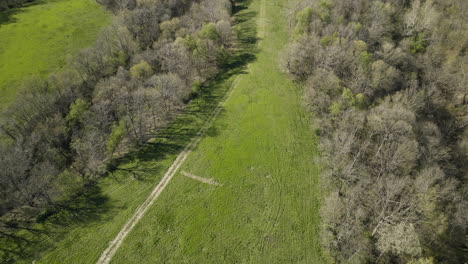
{"x":387,"y":84}
{"x":65,"y":132}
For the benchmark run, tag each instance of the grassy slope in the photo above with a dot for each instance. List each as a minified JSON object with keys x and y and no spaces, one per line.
{"x":36,"y":40}
{"x":262,"y":149}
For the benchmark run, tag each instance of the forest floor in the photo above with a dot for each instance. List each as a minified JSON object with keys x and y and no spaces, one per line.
{"x":38,"y":38}
{"x":259,"y":148}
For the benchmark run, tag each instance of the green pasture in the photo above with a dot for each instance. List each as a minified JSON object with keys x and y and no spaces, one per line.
{"x":37,"y":39}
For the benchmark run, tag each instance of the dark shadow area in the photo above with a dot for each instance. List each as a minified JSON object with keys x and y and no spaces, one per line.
{"x":240,"y":5}
{"x":88,"y":206}
{"x":7,"y":16}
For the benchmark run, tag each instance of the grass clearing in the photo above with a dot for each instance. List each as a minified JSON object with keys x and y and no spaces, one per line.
{"x":38,"y":38}
{"x":262,"y":150}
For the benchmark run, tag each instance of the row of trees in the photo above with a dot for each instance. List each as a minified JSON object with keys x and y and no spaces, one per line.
{"x":62,"y":133}
{"x":386,"y":81}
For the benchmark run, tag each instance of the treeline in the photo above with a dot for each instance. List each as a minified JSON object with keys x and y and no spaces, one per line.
{"x":8,"y":4}
{"x":63,"y":133}
{"x":386,"y":81}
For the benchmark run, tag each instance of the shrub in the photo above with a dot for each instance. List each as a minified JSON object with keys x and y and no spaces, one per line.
{"x":141,"y":70}
{"x":303,"y":19}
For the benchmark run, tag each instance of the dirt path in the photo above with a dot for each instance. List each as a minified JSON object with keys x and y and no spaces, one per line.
{"x":114,"y":245}
{"x":204,"y":180}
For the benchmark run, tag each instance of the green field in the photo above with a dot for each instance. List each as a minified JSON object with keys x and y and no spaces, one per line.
{"x":262,"y":151}
{"x":260,"y":148}
{"x":38,"y":38}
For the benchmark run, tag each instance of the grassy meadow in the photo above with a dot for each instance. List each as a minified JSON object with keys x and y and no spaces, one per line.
{"x":260,"y":148}
{"x":38,"y":38}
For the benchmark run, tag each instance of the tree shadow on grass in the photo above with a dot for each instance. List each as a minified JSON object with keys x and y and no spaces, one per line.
{"x":8,"y":16}
{"x":88,"y":206}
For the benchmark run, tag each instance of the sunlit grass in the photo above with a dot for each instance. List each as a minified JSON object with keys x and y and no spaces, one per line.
{"x":38,"y":38}
{"x":262,"y":150}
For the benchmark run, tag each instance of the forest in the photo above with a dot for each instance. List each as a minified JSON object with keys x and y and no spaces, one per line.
{"x":65,"y":132}
{"x":386,"y":83}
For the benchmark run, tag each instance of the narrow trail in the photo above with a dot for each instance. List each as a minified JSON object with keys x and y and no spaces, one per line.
{"x":114,"y":245}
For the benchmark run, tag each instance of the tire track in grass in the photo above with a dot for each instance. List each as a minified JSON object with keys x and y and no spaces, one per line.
{"x":262,"y":20}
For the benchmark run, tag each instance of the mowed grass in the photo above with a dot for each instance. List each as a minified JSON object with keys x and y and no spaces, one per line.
{"x":38,"y":38}
{"x":262,"y":150}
